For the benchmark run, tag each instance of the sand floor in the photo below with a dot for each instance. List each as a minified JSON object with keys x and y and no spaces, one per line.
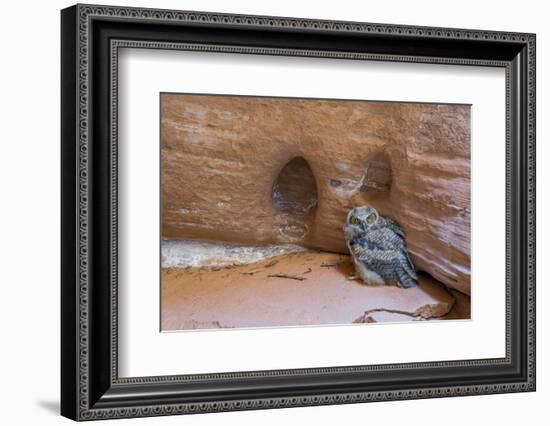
{"x":295,"y":289}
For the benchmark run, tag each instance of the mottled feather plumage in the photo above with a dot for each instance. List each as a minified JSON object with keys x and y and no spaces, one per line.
{"x":377,"y":246}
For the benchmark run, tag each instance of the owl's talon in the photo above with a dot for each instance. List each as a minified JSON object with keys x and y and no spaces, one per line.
{"x":352,"y":277}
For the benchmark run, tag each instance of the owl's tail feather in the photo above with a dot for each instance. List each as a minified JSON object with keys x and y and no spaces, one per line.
{"x":407,"y":281}
{"x":412,"y":270}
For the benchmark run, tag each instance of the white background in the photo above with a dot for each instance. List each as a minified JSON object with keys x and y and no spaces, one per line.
{"x":146,"y":352}
{"x":29,"y":229}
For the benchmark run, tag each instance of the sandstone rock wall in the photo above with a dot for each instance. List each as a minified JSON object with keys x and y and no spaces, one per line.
{"x":227,"y":160}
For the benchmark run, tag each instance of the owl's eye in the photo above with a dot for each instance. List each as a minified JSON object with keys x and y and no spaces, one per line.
{"x":355,"y":221}
{"x":371,"y":218}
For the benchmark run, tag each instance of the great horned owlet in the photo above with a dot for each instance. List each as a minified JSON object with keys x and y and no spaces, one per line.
{"x":377,"y":246}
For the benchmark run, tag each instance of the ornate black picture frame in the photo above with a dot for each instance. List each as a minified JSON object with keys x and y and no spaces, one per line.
{"x":90,"y":38}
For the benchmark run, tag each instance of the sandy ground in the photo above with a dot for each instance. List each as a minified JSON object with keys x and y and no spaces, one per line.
{"x":296,"y":289}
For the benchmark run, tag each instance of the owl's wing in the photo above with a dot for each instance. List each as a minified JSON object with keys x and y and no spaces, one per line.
{"x":387,"y":262}
{"x":411,"y":266}
{"x":386,"y":239}
{"x":386,"y":222}
{"x":374,"y":256}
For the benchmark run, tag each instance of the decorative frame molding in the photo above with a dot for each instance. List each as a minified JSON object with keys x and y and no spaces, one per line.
{"x":91,"y":37}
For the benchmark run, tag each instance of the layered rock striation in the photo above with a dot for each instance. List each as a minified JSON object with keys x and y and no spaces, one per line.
{"x":275,"y":170}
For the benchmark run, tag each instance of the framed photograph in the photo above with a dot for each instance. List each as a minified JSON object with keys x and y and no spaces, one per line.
{"x":263,"y":212}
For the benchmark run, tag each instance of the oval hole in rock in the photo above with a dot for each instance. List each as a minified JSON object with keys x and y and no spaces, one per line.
{"x":294,"y":197}
{"x":378,"y":175}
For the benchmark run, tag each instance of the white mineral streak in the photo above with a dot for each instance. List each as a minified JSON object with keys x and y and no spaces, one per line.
{"x":181,"y":253}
